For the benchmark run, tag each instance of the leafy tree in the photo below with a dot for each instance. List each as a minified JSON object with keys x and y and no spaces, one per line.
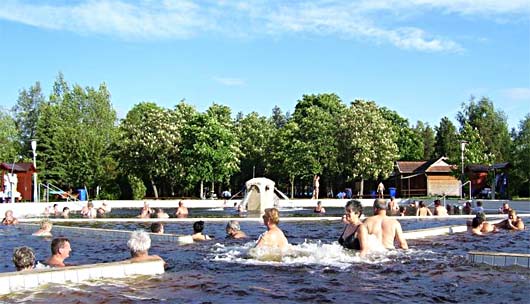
{"x":521,"y":157}
{"x":475,"y":151}
{"x":278,"y":118}
{"x":26,"y":113}
{"x":447,"y":142}
{"x":409,"y":143}
{"x":491,"y":124}
{"x":289,"y":154}
{"x":75,"y":131}
{"x":9,"y":138}
{"x":210,"y":149}
{"x":368,"y":142}
{"x":149,"y":143}
{"x":426,"y":134}
{"x":254,"y":134}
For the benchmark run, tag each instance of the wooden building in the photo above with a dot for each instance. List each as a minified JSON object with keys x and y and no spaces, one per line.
{"x":24,"y":176}
{"x":425,"y":178}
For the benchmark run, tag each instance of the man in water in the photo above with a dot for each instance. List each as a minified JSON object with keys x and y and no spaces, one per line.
{"x":273,"y":237}
{"x":439,"y":210}
{"x":139,"y":245}
{"x":385,"y":228}
{"x":233,"y":231}
{"x":157,"y":228}
{"x":60,"y":251}
{"x":181,"y":210}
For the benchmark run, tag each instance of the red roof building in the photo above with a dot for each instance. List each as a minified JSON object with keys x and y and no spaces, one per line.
{"x":422,"y":178}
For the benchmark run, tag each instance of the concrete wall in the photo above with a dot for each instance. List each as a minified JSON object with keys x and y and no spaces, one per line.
{"x":14,"y":281}
{"x":500,"y":258}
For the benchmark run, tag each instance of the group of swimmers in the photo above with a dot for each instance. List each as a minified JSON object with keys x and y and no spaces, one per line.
{"x":376,"y":233}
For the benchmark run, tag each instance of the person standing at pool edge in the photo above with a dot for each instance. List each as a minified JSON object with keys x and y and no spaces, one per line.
{"x":273,"y":237}
{"x":380,"y":190}
{"x":385,"y":228}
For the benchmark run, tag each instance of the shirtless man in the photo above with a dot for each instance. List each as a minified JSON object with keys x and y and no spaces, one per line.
{"x":181,"y":210}
{"x":60,"y":251}
{"x":385,"y":228}
{"x":139,"y":244}
{"x":439,"y":210}
{"x":273,"y":237}
{"x":393,"y":206}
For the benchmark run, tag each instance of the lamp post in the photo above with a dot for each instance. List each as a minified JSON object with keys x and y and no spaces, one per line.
{"x":463,"y":144}
{"x":35,"y":193}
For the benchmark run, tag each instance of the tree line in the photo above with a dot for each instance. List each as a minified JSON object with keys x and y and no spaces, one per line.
{"x":179,"y":151}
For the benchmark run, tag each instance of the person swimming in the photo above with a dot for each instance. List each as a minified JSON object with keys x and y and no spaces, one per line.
{"x":45,"y":229}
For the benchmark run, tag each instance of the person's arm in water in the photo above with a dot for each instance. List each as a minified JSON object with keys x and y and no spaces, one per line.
{"x":518,"y":226}
{"x":400,"y":237}
{"x":362,"y":235}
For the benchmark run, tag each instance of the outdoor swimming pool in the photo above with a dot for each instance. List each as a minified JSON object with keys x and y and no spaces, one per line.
{"x":318,"y":270}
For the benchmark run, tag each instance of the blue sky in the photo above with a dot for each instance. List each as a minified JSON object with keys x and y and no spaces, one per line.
{"x":421,"y":58}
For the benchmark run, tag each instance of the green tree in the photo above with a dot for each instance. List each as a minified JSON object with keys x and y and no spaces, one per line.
{"x":409,"y":143}
{"x":475,"y":151}
{"x":521,"y":157}
{"x":426,"y":134}
{"x":254,"y":134}
{"x":149,"y":143}
{"x":278,"y":118}
{"x":447,"y":142}
{"x":368,"y":142}
{"x":9,"y":138}
{"x":210,"y":149}
{"x":26,"y":112}
{"x":75,"y":131}
{"x":491,"y":124}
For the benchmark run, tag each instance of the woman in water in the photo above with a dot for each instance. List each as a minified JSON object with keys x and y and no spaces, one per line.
{"x":355,"y":234}
{"x":273,"y":237}
{"x":45,"y":229}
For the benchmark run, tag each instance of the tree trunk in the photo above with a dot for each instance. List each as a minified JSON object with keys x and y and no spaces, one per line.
{"x":292,"y":186}
{"x":212,"y":189}
{"x":362,"y":187}
{"x":201,"y":195}
{"x":155,"y":190}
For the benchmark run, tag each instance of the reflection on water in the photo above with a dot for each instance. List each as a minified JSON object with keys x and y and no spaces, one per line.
{"x":435,"y":270}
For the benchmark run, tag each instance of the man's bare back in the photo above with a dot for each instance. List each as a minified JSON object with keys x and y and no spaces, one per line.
{"x":385,"y":228}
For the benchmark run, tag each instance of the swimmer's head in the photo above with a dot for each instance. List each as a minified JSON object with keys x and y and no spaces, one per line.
{"x":198,"y":226}
{"x":23,"y":257}
{"x":477,"y":221}
{"x":233,"y":225}
{"x":139,"y":242}
{"x":272,"y":215}
{"x":354,"y":206}
{"x":380,"y":204}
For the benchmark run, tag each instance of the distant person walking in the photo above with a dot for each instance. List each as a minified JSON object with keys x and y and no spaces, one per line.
{"x":316,"y":186}
{"x":380,"y":190}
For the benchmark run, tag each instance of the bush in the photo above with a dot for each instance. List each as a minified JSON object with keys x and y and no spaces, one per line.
{"x":137,"y":186}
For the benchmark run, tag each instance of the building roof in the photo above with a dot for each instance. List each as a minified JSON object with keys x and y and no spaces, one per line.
{"x":18,"y":167}
{"x":487,"y":168}
{"x":431,"y":166}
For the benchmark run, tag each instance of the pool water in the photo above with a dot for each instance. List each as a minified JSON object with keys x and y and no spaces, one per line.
{"x":434,"y":270}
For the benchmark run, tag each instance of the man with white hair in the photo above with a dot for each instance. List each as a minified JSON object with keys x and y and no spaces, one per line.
{"x":139,"y":245}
